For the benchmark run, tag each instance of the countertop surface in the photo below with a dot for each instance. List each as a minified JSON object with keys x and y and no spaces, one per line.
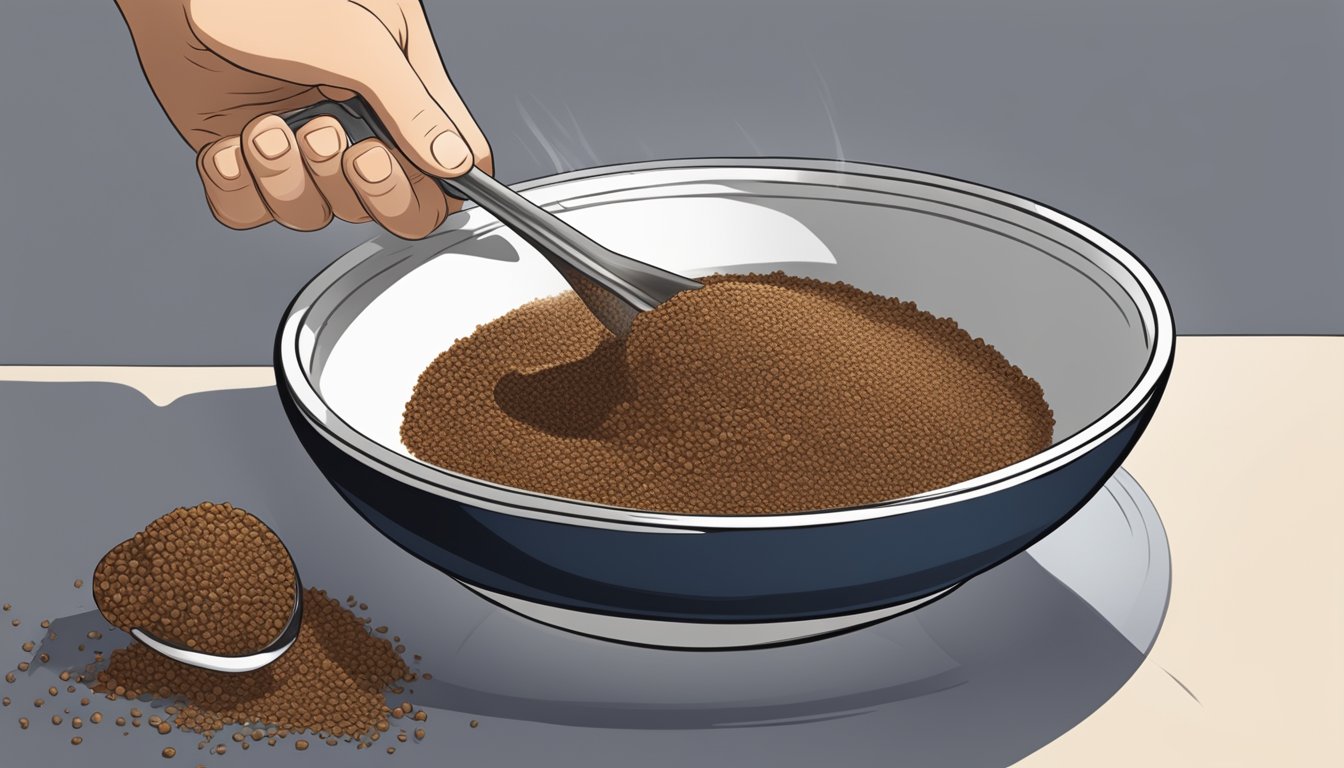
{"x":1246,"y":669}
{"x":1242,"y":461}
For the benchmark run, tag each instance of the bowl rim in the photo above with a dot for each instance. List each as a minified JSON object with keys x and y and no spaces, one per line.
{"x":293,"y":378}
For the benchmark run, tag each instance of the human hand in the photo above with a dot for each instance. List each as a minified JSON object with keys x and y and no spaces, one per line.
{"x":224,"y":69}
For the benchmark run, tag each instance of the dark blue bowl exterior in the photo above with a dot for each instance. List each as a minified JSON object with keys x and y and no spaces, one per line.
{"x":751,"y":575}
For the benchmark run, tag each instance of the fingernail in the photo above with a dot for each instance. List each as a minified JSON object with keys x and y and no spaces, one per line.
{"x":271,"y":143}
{"x":374,"y":166}
{"x":450,"y":151}
{"x":226,"y":162}
{"x":324,"y":142}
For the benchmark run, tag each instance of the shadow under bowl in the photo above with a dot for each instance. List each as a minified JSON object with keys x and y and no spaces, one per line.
{"x":1065,"y":303}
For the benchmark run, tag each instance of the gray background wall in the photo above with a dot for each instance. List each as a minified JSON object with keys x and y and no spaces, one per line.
{"x":1203,"y":134}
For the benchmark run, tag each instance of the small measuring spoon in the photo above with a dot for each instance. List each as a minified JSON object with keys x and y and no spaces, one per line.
{"x":614,"y":287}
{"x":241,"y":663}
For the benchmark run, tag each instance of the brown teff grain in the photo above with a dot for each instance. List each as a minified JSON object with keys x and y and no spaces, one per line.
{"x":756,"y":394}
{"x":212,"y":577}
{"x":332,"y":679}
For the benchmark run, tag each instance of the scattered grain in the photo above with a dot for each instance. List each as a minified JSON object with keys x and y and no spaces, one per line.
{"x":331,"y":680}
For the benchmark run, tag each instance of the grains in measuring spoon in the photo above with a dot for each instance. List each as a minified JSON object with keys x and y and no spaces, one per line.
{"x":756,"y":394}
{"x":212,"y":577}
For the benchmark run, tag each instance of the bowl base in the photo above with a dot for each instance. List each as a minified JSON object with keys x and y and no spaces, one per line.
{"x":1106,"y":578}
{"x":685,"y":635}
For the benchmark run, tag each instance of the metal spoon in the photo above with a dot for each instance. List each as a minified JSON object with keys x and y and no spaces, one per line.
{"x":243,"y":663}
{"x":613,"y":286}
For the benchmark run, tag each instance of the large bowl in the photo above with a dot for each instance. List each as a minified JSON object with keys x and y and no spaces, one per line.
{"x":1065,"y":303}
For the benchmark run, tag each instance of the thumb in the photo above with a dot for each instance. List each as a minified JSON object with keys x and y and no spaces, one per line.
{"x":319,"y":43}
{"x":422,"y":130}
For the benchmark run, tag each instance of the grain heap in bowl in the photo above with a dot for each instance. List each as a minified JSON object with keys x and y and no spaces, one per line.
{"x":757,"y":394}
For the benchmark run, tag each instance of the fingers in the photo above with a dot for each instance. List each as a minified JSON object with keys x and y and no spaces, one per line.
{"x":229,"y":190}
{"x":277,"y":166}
{"x":301,"y":179}
{"x":322,"y":141}
{"x":290,"y":46}
{"x":407,"y":203}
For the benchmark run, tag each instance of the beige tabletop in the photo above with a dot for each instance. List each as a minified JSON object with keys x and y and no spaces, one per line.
{"x":1242,"y":463}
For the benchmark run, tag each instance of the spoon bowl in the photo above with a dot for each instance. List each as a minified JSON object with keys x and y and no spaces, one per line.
{"x":237,"y":663}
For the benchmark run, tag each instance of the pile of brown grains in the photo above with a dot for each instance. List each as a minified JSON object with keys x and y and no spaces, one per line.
{"x":331,"y":681}
{"x":212,"y":577}
{"x":756,"y":394}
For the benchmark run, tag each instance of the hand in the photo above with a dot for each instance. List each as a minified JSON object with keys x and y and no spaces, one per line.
{"x":224,"y":69}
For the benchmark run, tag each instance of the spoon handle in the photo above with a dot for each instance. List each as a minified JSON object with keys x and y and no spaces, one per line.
{"x":614,"y":286}
{"x":541,"y":229}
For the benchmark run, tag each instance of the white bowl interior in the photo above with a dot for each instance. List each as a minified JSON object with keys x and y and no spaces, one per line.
{"x":1046,"y":291}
